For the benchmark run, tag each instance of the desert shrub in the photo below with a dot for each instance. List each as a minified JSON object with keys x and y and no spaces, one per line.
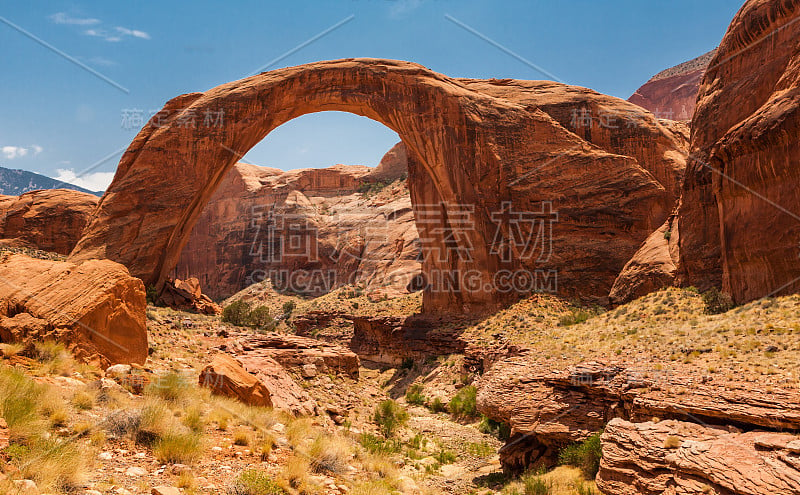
{"x":377,"y":445}
{"x":389,"y":416}
{"x":259,"y":317}
{"x":445,"y":456}
{"x":584,"y":455}
{"x":414,"y":394}
{"x":462,"y":405}
{"x":177,"y":447}
{"x":52,"y":463}
{"x":151,"y":294}
{"x":534,"y":484}
{"x":193,"y":419}
{"x":575,"y":316}
{"x":172,"y":387}
{"x":437,"y":405}
{"x":370,"y":188}
{"x":54,"y":358}
{"x":19,"y":402}
{"x":241,"y":437}
{"x":497,"y":428}
{"x":236,"y":313}
{"x":716,"y":301}
{"x":288,"y":307}
{"x":254,"y":482}
{"x":328,"y":455}
{"x":83,"y":400}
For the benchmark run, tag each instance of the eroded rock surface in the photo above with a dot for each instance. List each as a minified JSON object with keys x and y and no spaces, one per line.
{"x":739,"y":223}
{"x":548,"y":408}
{"x":186,"y":295}
{"x":49,"y":220}
{"x":294,"y":351}
{"x":681,"y":458}
{"x":95,"y":307}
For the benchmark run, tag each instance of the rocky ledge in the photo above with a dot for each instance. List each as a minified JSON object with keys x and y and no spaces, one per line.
{"x":548,"y":409}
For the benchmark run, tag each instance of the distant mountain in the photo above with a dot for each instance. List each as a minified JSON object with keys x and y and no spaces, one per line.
{"x":15,"y":182}
{"x":672,"y":93}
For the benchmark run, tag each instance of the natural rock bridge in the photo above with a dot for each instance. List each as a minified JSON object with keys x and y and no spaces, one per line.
{"x":480,"y":152}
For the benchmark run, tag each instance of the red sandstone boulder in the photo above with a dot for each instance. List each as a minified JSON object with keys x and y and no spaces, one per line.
{"x":49,"y":220}
{"x":738,"y":221}
{"x":225,"y":376}
{"x":259,"y":381}
{"x":186,"y":295}
{"x":672,"y":93}
{"x":95,"y":307}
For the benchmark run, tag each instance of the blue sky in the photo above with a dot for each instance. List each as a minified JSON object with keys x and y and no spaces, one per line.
{"x":59,"y":119}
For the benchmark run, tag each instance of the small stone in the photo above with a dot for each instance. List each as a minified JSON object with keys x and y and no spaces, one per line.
{"x":165,"y":490}
{"x":308,"y":371}
{"x":26,"y":487}
{"x":105,"y":456}
{"x":135,"y":471}
{"x":216,"y":448}
{"x":92,"y":492}
{"x":140,"y":455}
{"x":118,"y":370}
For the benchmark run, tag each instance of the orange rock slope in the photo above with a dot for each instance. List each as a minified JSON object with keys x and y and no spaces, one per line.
{"x":489,"y":164}
{"x":739,"y":219}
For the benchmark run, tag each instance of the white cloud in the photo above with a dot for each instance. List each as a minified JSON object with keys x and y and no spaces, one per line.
{"x":97,"y":181}
{"x":400,"y":8}
{"x":62,"y":18}
{"x":12,"y":152}
{"x":133,"y":32}
{"x":118,"y":34}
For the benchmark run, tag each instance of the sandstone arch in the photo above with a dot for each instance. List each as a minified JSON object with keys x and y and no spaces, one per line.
{"x":485,"y":144}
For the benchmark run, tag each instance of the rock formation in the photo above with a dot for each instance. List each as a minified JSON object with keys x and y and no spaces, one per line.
{"x":309,"y":231}
{"x":672,"y":93}
{"x":186,"y":295}
{"x":548,"y":409}
{"x":653,"y":267}
{"x":489,"y":167}
{"x":95,"y":307}
{"x":738,"y":220}
{"x":261,"y":383}
{"x":302,"y":354}
{"x":681,"y":458}
{"x":49,"y":220}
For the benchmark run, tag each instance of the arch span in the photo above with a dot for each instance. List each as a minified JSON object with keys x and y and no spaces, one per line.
{"x":479,"y":152}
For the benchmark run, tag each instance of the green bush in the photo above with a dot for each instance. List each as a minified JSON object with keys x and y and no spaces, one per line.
{"x":463,"y":404}
{"x":255,"y":482}
{"x":237,"y":313}
{"x":716,"y":301}
{"x":437,"y":405}
{"x":445,"y":456}
{"x":535,"y":485}
{"x":584,"y":455}
{"x":414,"y":395}
{"x":288,"y":307}
{"x":377,"y":445}
{"x":178,"y":448}
{"x":497,"y":428}
{"x":576,"y":316}
{"x":389,"y":416}
{"x":259,"y":317}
